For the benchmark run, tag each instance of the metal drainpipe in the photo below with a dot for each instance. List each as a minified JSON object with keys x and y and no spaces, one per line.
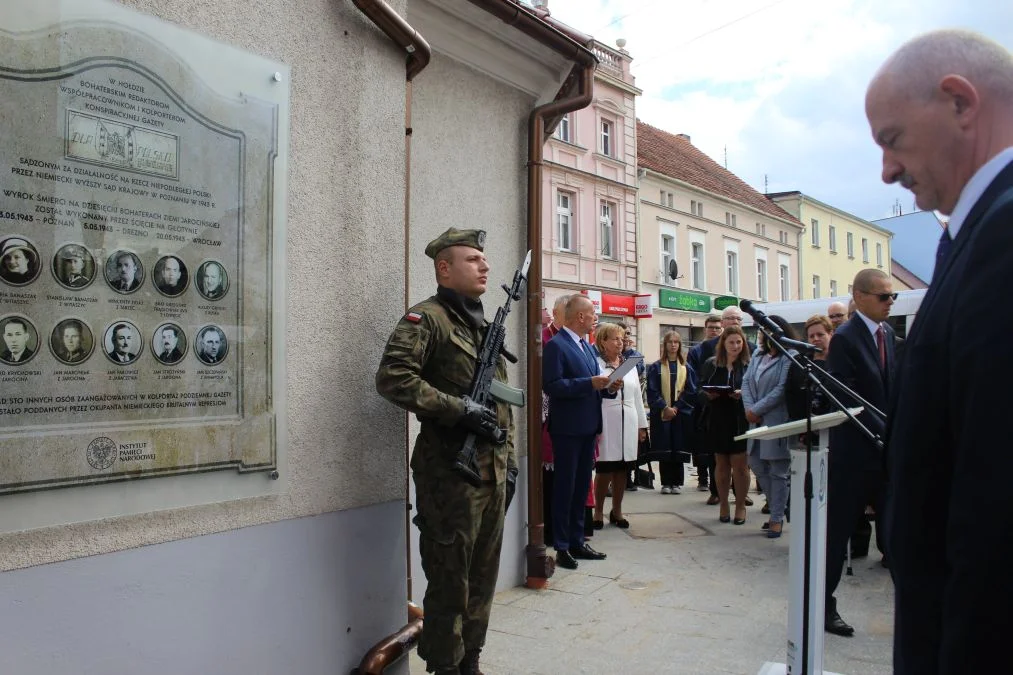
{"x":539,"y":565}
{"x":395,"y":646}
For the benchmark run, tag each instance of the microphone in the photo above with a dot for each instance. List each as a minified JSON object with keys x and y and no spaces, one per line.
{"x":763,"y":320}
{"x":760,"y":318}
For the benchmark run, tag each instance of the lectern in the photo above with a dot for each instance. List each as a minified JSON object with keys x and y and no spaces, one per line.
{"x":802,"y":552}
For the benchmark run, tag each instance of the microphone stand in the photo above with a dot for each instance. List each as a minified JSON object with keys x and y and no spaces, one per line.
{"x":805,"y":363}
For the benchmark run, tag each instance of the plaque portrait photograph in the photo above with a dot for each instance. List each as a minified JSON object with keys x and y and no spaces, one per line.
{"x":19,"y":261}
{"x":73,"y":266}
{"x":211,"y":345}
{"x":72,"y":341}
{"x":145,"y":192}
{"x":168,"y":344}
{"x":170,"y":276}
{"x":124,"y":272}
{"x":20,"y":340}
{"x":212,"y":280}
{"x":122,"y":343}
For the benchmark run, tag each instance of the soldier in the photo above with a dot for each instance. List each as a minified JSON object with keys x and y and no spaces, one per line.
{"x":427,"y":368}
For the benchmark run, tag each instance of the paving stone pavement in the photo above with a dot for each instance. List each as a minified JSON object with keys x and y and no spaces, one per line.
{"x":712,"y":599}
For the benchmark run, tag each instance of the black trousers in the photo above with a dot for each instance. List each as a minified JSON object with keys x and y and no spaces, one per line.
{"x":672,"y":473}
{"x":847,"y":496}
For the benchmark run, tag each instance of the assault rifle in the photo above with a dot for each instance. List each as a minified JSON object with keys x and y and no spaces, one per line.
{"x":484,"y":387}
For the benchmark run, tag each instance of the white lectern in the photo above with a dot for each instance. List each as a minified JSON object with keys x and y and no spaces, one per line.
{"x":817,"y":543}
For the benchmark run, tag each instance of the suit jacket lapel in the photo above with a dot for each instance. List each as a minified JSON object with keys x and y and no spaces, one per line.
{"x":581,"y":354}
{"x":1002,"y":182}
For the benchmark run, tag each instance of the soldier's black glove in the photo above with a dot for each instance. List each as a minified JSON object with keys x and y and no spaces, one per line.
{"x":511,"y":486}
{"x":480,"y":420}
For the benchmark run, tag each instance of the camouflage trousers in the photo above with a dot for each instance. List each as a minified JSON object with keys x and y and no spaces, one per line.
{"x":460,"y":538}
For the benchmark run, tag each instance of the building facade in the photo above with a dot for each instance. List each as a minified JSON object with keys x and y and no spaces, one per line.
{"x":589,"y":232}
{"x":707,"y":239}
{"x":835,"y":247}
{"x":307,"y":578}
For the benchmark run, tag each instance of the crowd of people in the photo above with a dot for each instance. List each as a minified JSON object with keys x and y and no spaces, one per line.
{"x":694,"y":404}
{"x":941,"y":110}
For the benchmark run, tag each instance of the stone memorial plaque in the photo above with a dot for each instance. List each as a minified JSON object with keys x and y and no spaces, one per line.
{"x":140,"y":243}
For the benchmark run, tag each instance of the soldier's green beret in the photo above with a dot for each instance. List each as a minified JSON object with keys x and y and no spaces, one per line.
{"x":455,"y":237}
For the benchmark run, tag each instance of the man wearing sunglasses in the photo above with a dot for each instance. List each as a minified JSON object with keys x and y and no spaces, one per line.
{"x":862,"y":357}
{"x":941,"y":110}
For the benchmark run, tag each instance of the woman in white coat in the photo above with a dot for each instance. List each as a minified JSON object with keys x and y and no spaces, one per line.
{"x":624,"y":423}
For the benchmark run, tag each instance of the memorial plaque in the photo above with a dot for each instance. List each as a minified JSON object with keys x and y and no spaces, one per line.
{"x":139,"y":250}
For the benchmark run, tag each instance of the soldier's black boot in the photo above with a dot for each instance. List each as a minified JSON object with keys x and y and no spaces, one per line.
{"x":469,"y":666}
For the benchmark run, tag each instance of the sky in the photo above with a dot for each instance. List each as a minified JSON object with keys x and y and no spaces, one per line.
{"x":777,"y":85}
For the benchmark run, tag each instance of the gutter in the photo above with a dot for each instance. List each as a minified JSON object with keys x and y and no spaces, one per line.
{"x":566,"y":43}
{"x":397,"y":645}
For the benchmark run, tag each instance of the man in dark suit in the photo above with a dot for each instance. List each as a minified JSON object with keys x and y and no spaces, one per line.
{"x":170,"y":351}
{"x":862,"y":358}
{"x":570,"y":376}
{"x":16,"y":336}
{"x":941,"y":109}
{"x":123,"y":342}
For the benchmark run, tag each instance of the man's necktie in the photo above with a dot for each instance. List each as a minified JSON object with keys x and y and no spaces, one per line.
{"x":588,"y":354}
{"x":881,"y":343}
{"x":942,"y":252}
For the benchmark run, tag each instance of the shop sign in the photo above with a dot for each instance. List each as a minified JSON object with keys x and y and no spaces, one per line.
{"x":723,"y":301}
{"x":684,"y":300}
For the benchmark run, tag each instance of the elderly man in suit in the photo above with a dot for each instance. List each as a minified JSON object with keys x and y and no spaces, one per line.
{"x":571,"y":378}
{"x":941,"y":109}
{"x":861,"y":357}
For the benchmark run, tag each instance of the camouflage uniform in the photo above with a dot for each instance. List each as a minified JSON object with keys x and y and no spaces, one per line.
{"x":426,"y":367}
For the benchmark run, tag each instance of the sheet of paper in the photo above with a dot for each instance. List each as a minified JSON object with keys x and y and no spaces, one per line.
{"x":625,"y":367}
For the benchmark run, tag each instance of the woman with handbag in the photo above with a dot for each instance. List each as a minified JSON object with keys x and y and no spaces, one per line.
{"x":724,"y":418}
{"x":671,"y":392}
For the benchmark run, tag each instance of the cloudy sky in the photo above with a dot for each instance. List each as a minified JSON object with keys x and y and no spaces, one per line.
{"x":780,"y":84}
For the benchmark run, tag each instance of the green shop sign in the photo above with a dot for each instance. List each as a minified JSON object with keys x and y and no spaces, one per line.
{"x":723,"y":301}
{"x":689,"y":302}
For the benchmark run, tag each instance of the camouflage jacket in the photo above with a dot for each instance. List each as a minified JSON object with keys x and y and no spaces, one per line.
{"x":427,"y":366}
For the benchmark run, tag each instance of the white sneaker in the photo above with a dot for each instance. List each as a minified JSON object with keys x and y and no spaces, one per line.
{"x":666,"y":490}
{"x":676,"y":490}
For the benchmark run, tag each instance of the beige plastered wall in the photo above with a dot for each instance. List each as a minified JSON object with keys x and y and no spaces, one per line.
{"x":469,"y":171}
{"x":345,"y":220}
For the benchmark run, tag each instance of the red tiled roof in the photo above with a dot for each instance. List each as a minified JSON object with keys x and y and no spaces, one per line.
{"x":909,"y":278}
{"x":677,"y":158}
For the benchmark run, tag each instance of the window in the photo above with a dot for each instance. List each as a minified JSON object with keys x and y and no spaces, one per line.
{"x":661,"y":200}
{"x":879,"y":254}
{"x":865,"y":250}
{"x":783,"y":281}
{"x":761,"y":229}
{"x":563,"y":130}
{"x":850,"y":289}
{"x":730,"y":219}
{"x":606,"y":138}
{"x":667,"y":199}
{"x":564,"y":220}
{"x":696,"y":264}
{"x":696,"y":208}
{"x":833,"y":288}
{"x":851,"y":245}
{"x":832,"y":233}
{"x":731,"y":266}
{"x":782,"y":236}
{"x":671,"y":200}
{"x":607,"y":248}
{"x":816,"y":233}
{"x":667,"y":256}
{"x":761,"y":279}
{"x":816,"y":286}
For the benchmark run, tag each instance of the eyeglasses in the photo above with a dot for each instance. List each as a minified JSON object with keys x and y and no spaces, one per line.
{"x":882,"y":297}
